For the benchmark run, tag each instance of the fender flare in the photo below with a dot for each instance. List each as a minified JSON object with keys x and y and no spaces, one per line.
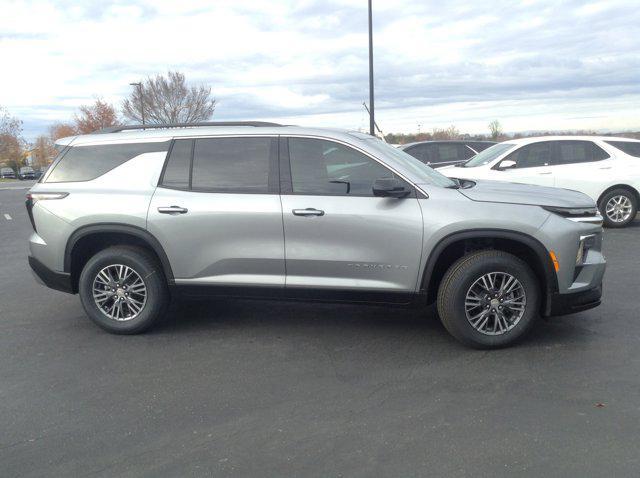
{"x":106,"y":228}
{"x":539,"y":249}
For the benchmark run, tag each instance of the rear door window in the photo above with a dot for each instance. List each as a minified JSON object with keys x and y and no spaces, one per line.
{"x":573,"y":152}
{"x":235,"y":165}
{"x":84,"y":163}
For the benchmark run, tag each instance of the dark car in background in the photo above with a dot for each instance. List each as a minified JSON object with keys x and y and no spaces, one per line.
{"x":445,"y":153}
{"x":7,"y":173}
{"x":26,"y":172}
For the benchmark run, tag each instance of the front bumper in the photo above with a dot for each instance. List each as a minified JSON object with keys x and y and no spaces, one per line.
{"x":562,"y":304}
{"x":55,"y":280}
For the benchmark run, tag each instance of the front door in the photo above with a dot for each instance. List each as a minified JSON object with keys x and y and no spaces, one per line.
{"x":217,"y":212}
{"x":338,"y":235}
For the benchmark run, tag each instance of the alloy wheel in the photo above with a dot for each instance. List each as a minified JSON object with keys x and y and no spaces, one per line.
{"x":619,"y":208}
{"x":119,"y":292}
{"x":495,"y":303}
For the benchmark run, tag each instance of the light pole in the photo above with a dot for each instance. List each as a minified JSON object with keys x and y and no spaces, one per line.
{"x":371,"y":108}
{"x":139,"y":85}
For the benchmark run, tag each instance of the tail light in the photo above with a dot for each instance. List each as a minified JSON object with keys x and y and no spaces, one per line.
{"x":32,"y":198}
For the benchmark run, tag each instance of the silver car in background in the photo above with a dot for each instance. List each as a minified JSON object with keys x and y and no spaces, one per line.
{"x":129,"y":217}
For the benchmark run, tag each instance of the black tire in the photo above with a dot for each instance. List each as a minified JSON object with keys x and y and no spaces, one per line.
{"x":147,"y":268}
{"x":604,"y":200}
{"x":459,"y":279}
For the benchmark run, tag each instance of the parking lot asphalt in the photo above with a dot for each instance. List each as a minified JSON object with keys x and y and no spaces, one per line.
{"x":259,"y":388}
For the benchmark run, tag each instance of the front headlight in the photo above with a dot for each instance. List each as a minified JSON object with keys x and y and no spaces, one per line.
{"x":589,"y":215}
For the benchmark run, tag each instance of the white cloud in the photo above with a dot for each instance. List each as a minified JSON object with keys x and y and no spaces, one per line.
{"x":528,"y":63}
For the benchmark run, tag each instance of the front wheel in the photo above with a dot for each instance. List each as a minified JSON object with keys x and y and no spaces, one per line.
{"x":123,"y":289}
{"x":618,"y":207}
{"x":488,"y":299}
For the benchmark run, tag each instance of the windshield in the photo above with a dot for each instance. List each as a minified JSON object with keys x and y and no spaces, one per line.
{"x":488,"y":155}
{"x":421,"y":170}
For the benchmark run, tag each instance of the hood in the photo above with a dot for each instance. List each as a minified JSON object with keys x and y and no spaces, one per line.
{"x":515,"y":193}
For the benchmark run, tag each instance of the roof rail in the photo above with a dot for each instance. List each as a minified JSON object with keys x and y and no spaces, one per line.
{"x":116,"y":129}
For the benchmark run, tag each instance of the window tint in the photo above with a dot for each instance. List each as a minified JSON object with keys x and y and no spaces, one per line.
{"x":480,"y":145}
{"x":571,"y":152}
{"x":232,"y":164}
{"x":440,"y":153}
{"x":532,"y":155}
{"x":84,"y":163}
{"x":327,"y":168}
{"x":488,"y":155}
{"x":419,"y":151}
{"x":176,"y":173}
{"x":466,"y":152}
{"x":447,"y":152}
{"x":632,"y":148}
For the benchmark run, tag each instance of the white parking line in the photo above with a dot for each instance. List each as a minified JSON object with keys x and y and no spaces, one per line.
{"x":7,"y":217}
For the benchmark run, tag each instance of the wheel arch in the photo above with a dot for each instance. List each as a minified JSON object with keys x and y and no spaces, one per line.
{"x":458,"y":244}
{"x":635,"y":192}
{"x":88,"y":240}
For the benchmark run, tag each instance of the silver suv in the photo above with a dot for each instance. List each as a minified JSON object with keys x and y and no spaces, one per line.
{"x":128,"y":217}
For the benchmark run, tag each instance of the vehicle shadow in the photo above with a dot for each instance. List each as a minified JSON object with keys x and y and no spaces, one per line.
{"x":296,"y":318}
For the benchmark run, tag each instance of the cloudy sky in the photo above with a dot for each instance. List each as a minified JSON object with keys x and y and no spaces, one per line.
{"x":531,"y":64}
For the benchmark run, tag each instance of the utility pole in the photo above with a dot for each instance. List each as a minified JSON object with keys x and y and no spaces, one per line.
{"x":139,"y":86}
{"x":371,"y":107}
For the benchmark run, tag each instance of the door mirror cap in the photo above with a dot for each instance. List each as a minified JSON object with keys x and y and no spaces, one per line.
{"x":507,"y":164}
{"x":390,"y":188}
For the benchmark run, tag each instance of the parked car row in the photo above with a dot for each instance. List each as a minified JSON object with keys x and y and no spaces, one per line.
{"x":131,"y":216}
{"x":605,"y":168}
{"x":24,"y":173}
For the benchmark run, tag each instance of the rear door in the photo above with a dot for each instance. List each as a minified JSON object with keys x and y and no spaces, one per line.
{"x":580,"y":164}
{"x":338,"y":235}
{"x":533,"y":165}
{"x":217,"y":211}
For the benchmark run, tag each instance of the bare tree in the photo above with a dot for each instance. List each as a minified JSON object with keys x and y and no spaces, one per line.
{"x":11,"y":142}
{"x":495,"y":129}
{"x":169,"y":100}
{"x":61,"y":130}
{"x":449,"y":133}
{"x":96,"y":116}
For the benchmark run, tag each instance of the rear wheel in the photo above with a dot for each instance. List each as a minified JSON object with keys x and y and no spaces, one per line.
{"x":123,"y":289}
{"x":618,"y":207}
{"x":488,"y":299}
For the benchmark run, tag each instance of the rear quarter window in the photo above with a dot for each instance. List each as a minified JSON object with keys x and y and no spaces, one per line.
{"x":84,"y":163}
{"x":631,"y":148}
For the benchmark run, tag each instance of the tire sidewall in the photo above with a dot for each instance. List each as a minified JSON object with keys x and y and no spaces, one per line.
{"x":603,"y":206}
{"x":148,"y":271}
{"x":498,"y":263}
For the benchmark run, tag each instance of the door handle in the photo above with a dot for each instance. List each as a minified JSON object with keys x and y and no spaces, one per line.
{"x":173,"y":210}
{"x":307,"y":212}
{"x":545,"y":172}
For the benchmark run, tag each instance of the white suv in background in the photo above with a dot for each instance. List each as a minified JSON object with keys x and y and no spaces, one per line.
{"x":605,"y":168}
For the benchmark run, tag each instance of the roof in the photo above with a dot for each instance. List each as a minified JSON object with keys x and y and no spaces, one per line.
{"x":164,"y":134}
{"x":535,"y":139}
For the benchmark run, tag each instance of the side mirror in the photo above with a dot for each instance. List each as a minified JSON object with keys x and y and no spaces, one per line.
{"x":390,"y":188}
{"x":507,"y":164}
